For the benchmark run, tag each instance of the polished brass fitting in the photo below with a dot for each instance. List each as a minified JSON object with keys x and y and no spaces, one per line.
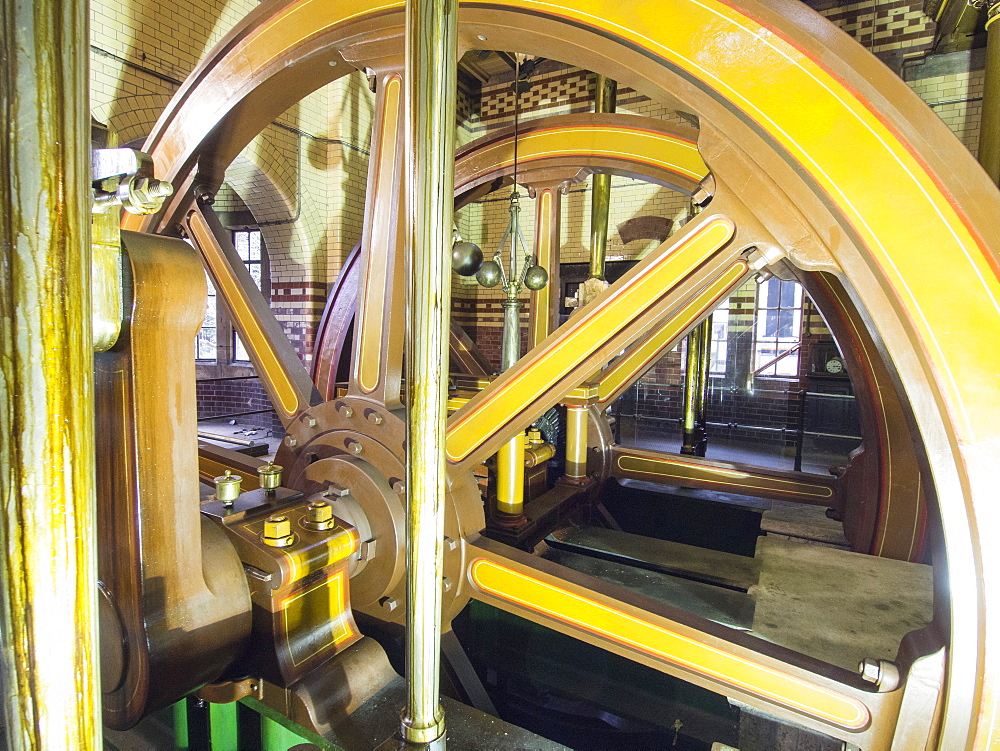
{"x":227,"y":487}
{"x":270,"y":475}
{"x":278,"y":532}
{"x":320,"y":516}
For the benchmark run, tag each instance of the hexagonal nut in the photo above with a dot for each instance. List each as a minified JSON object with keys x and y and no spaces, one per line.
{"x":388,"y":603}
{"x":870,"y":670}
{"x":882,"y":673}
{"x":320,"y":511}
{"x":277,"y":526}
{"x":278,"y":532}
{"x":355,"y":447}
{"x":320,"y":516}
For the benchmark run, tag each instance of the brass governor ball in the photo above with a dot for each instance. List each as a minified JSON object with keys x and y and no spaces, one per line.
{"x":536,"y":277}
{"x":489,"y":274}
{"x":466,"y":258}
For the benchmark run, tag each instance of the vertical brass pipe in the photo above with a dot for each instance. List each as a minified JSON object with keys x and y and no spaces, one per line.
{"x":692,"y":386}
{"x":576,"y":442}
{"x":431,"y":72}
{"x":600,"y":200}
{"x":48,"y":592}
{"x":989,"y":127}
{"x":510,"y":351}
{"x":701,"y":397}
{"x":510,"y":457}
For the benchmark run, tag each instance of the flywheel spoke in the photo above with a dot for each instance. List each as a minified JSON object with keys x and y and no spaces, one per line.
{"x":378,"y":334}
{"x":754,"y":672}
{"x":282,"y":373}
{"x":681,"y":282}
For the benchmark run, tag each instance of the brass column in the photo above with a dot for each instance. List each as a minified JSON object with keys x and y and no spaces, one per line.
{"x":600,"y":200}
{"x":48,"y":604}
{"x":699,"y":343}
{"x":989,"y":128}
{"x":510,"y":477}
{"x":704,"y":365}
{"x":576,"y":442}
{"x":431,"y":72}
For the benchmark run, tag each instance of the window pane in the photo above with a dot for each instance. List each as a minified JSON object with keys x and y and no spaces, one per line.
{"x":720,"y":340}
{"x":242,"y":243}
{"x":239,"y":351}
{"x":249,"y":245}
{"x":773,"y":296}
{"x":205,"y":347}
{"x":786,"y":323}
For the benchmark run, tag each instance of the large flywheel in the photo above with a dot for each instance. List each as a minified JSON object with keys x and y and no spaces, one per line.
{"x":794,"y":120}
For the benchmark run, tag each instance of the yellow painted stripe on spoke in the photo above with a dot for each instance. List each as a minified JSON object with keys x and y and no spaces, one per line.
{"x":679,"y":469}
{"x":584,"y":333}
{"x":668,"y":645}
{"x":635,"y":361}
{"x":258,"y":343}
{"x":648,"y":147}
{"x":370,"y":356}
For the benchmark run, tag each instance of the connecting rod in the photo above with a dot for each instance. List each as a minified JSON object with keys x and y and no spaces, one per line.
{"x":431,"y":70}
{"x":48,"y":564}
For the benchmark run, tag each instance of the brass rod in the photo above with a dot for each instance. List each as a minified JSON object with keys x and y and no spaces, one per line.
{"x":431,"y":72}
{"x":600,"y":206}
{"x":510,"y":351}
{"x":704,"y":365}
{"x":692,"y":385}
{"x":989,"y":131}
{"x":48,"y":593}
{"x":226,"y":438}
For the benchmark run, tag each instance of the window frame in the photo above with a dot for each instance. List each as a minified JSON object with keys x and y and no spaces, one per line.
{"x":789,"y":343}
